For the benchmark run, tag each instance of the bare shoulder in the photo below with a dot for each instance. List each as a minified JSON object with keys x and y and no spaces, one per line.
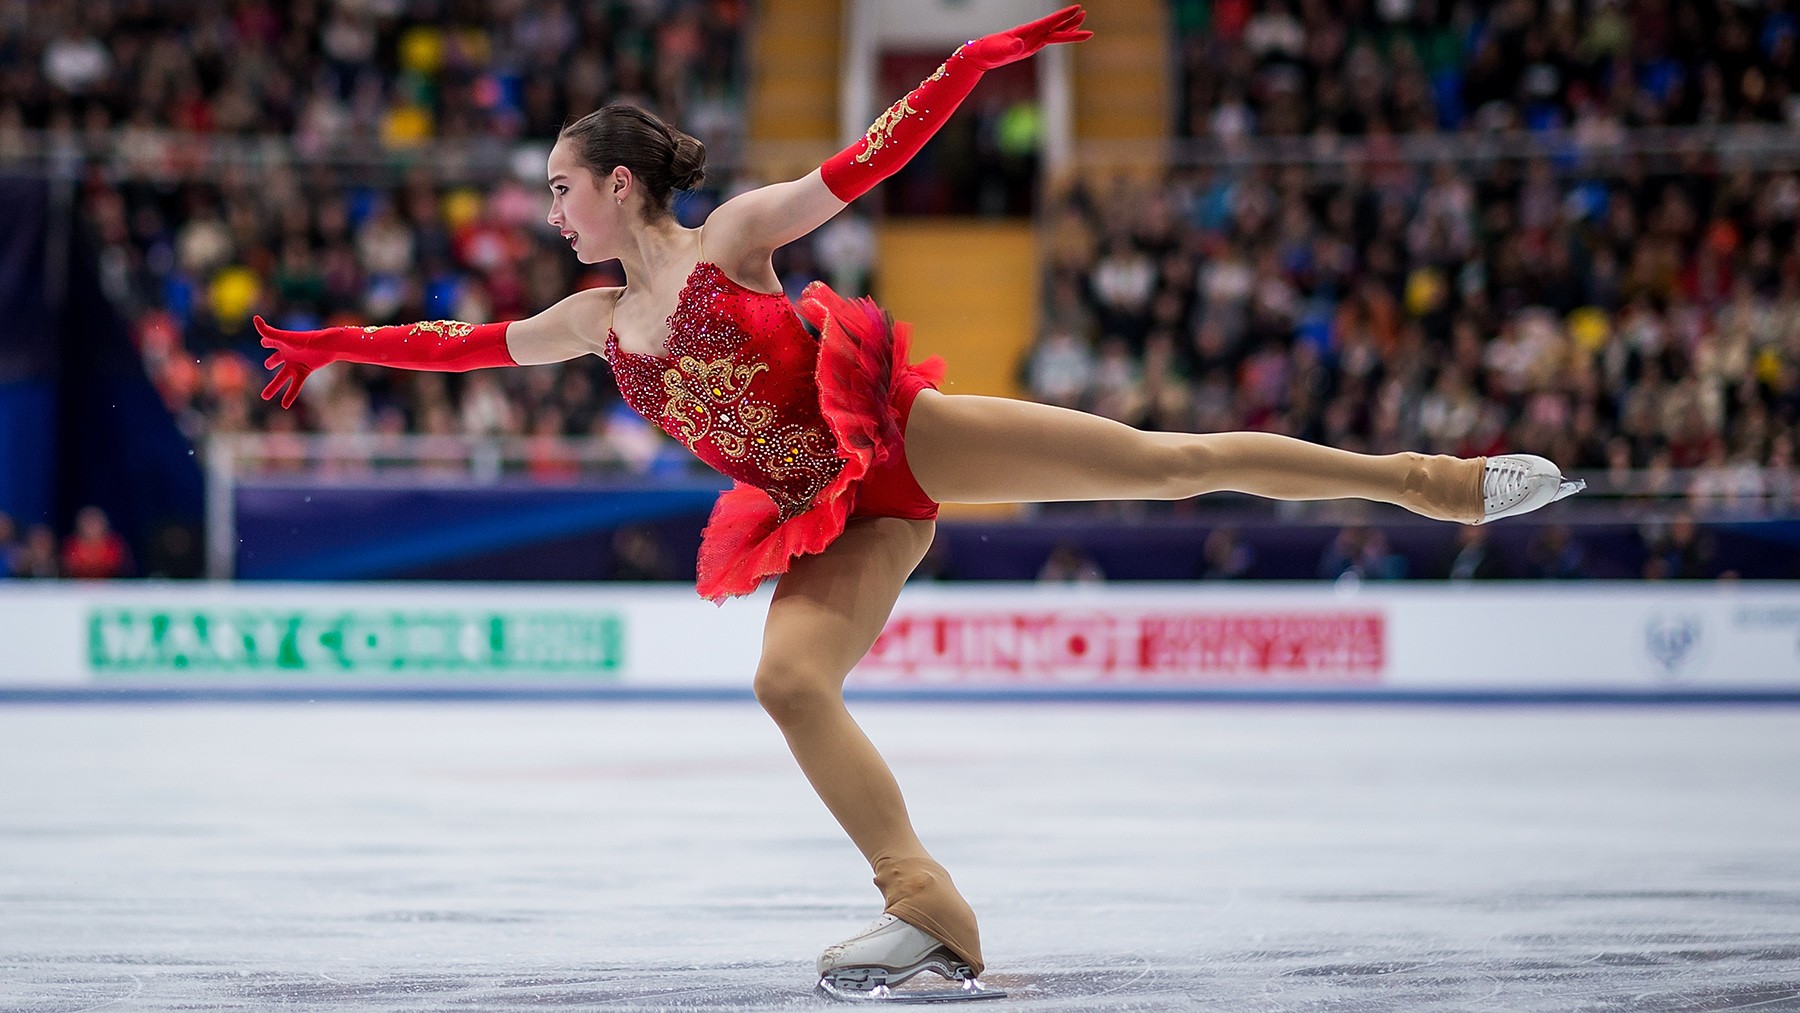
{"x":755,"y":223}
{"x":594,"y":298}
{"x":575,"y":326}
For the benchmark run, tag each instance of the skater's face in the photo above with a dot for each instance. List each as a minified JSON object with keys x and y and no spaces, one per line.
{"x":586,"y":206}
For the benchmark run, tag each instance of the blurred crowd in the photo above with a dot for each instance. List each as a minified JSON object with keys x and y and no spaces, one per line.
{"x":191,"y":249}
{"x":91,"y":550}
{"x":1286,"y":68}
{"x":1646,"y":323}
{"x":390,"y":73}
{"x":192,"y":264}
{"x":1678,"y":547}
{"x":1643,"y":323}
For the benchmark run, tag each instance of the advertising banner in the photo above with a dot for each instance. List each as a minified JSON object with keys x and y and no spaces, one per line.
{"x":357,"y":642}
{"x":1527,"y":640}
{"x":1171,"y":645}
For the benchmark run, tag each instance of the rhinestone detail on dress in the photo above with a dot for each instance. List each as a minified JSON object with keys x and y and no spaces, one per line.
{"x":735,"y":385}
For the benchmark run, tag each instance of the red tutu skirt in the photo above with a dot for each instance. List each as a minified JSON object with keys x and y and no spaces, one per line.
{"x":865,"y":387}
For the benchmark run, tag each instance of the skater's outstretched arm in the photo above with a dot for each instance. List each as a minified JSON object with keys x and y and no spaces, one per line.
{"x":772,"y":216}
{"x":568,"y":330}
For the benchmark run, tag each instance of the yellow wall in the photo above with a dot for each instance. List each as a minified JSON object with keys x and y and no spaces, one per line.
{"x":969,"y":289}
{"x":791,"y":108}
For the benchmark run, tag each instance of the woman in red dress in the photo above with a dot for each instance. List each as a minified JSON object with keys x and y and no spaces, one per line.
{"x":841,"y":449}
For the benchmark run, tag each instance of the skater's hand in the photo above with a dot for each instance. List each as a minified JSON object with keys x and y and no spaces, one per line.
{"x":296,"y":354}
{"x":1016,"y":44}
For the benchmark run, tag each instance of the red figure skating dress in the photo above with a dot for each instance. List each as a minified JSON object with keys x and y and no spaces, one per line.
{"x":810,"y":430}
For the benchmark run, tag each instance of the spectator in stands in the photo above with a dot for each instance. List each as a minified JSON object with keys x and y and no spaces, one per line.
{"x":1415,"y":66}
{"x":846,"y":245}
{"x":1069,"y":563}
{"x":1644,"y":318}
{"x":1361,"y":553}
{"x":1555,"y":554}
{"x":94,"y":551}
{"x":191,"y":249}
{"x":1360,"y":316}
{"x":37,"y":555}
{"x":1680,"y":551}
{"x":1226,"y":556}
{"x":1060,"y":369}
{"x":1379,"y":560}
{"x":1340,"y":557}
{"x":1472,"y":557}
{"x":639,"y":555}
{"x":368,"y":73}
{"x":9,"y":545}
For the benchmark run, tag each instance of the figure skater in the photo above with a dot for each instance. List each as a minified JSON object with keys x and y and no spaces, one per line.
{"x":841,"y":449}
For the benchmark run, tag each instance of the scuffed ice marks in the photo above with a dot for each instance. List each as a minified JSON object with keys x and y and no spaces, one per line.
{"x":1264,"y":980}
{"x":465,"y":917}
{"x":1123,"y":859}
{"x":615,"y":989}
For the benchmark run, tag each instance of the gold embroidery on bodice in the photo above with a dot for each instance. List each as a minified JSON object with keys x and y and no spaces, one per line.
{"x":710,"y":401}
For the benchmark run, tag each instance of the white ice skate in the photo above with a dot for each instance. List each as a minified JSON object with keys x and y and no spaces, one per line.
{"x":1520,"y":483}
{"x":867,"y":966}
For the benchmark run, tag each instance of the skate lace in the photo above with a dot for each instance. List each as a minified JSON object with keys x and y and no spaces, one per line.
{"x":1505,"y":480}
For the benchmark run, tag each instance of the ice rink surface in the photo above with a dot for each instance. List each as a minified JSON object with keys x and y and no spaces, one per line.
{"x":495,"y":856}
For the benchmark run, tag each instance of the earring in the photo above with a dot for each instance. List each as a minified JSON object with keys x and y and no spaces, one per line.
{"x":621,"y":202}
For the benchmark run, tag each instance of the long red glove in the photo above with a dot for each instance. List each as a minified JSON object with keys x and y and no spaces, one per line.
{"x":900,"y":132}
{"x":446,"y":346}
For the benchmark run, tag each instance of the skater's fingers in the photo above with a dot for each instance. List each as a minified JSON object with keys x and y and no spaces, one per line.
{"x":274,"y":385}
{"x":1046,"y":31}
{"x":1051,"y":21}
{"x":1081,"y":36}
{"x":293,"y":391}
{"x":1075,"y":16}
{"x":274,"y":358}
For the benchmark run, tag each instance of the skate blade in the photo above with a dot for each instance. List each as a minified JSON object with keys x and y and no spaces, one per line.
{"x":971,"y":990}
{"x":1569,"y":487}
{"x":877,"y":984}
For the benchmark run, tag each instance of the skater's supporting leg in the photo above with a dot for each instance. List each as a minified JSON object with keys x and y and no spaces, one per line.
{"x":826,"y":613}
{"x":969,"y":449}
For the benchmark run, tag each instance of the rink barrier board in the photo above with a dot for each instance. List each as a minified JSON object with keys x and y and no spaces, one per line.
{"x":1516,"y":642}
{"x":1452,"y":698}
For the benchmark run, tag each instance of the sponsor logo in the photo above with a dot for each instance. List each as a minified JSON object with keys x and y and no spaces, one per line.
{"x":235,"y":641}
{"x":1777,"y":618}
{"x":1673,"y":642}
{"x":1058,"y":647}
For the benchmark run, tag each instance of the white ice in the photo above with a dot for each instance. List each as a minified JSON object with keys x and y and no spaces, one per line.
{"x":492,"y":856}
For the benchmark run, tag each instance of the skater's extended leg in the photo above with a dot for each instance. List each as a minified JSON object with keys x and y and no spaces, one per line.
{"x":827,"y":611}
{"x":970,"y":449}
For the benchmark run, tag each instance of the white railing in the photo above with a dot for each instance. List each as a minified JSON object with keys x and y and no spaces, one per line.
{"x":1738,"y":146}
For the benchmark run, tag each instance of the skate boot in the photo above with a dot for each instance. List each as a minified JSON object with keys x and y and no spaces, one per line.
{"x":1520,"y":483}
{"x":868,"y":966}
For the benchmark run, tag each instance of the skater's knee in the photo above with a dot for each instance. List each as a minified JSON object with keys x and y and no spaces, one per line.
{"x":1178,"y":467}
{"x":1419,"y":473}
{"x":791,"y":693}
